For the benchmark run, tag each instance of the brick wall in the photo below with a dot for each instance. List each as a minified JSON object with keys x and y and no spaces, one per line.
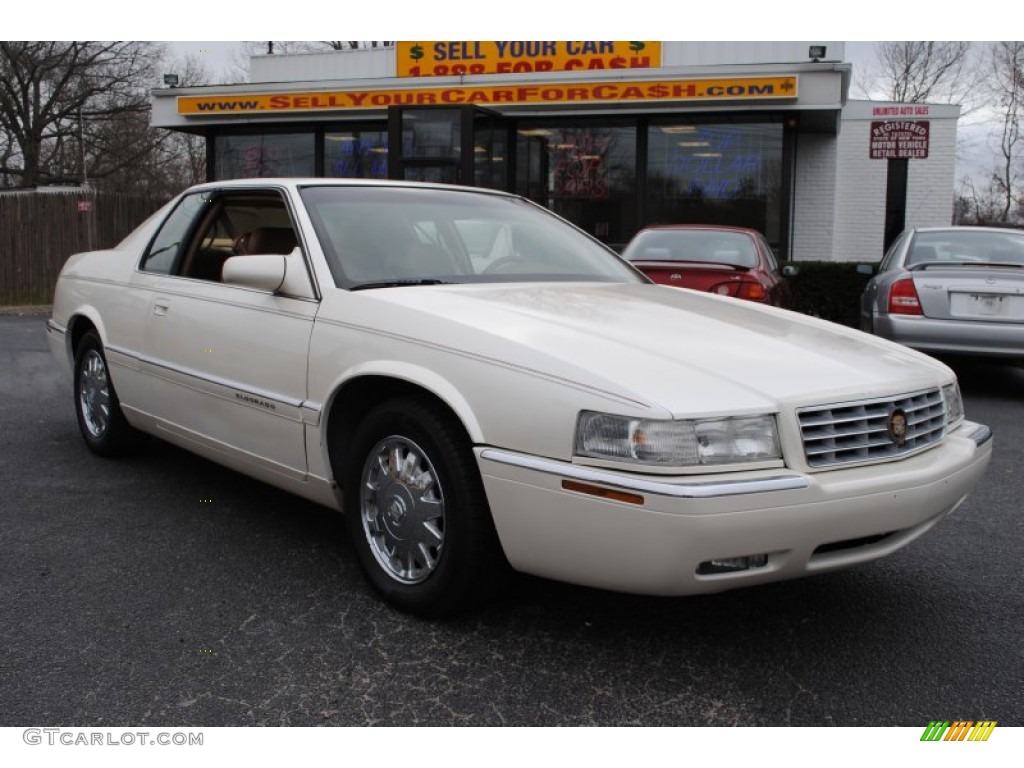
{"x":860,"y":199}
{"x":839,"y":202}
{"x":931,"y":182}
{"x":814,"y":197}
{"x":860,"y":206}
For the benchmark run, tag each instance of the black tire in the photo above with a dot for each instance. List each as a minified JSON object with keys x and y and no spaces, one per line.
{"x":100,"y":419}
{"x":417,"y":512}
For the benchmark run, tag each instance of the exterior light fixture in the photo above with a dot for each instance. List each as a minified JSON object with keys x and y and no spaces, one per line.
{"x":171,"y":81}
{"x":816,"y":52}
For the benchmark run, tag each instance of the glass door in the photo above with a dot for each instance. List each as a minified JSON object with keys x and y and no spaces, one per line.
{"x":490,"y":150}
{"x":448,"y":145}
{"x":430,"y":141}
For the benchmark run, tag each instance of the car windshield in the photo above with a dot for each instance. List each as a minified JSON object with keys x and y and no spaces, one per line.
{"x":399,"y":236}
{"x":695,"y":245}
{"x":967,"y":247}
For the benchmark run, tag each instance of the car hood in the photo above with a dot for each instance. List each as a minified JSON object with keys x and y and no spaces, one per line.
{"x":685,"y":351}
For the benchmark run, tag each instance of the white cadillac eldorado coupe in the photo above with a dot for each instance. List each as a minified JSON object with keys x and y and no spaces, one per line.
{"x":477,"y":384}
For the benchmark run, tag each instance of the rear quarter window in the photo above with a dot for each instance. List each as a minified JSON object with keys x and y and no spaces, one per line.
{"x":163,"y":252}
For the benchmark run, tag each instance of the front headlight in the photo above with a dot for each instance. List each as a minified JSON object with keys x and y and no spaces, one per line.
{"x":677,"y":443}
{"x":954,"y":403}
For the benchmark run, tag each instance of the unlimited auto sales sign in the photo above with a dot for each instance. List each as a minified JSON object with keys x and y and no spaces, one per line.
{"x":899,"y":139}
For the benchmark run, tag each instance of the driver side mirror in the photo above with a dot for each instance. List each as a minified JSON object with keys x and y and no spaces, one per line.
{"x":264,"y":272}
{"x":270,"y":272}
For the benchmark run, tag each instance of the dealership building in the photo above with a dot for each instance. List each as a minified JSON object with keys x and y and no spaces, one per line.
{"x":613,"y":135}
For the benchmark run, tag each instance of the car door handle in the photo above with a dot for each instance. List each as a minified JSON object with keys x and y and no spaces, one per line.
{"x":160,"y":307}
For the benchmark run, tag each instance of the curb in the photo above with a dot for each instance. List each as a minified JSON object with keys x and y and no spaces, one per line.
{"x":36,"y":310}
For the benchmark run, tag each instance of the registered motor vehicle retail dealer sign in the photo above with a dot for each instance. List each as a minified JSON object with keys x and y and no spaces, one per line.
{"x":899,"y":139}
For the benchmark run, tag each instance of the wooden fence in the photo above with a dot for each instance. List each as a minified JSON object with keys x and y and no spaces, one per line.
{"x":40,"y":230}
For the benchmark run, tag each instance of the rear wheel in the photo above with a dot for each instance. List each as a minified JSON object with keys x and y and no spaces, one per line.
{"x":417,"y":513}
{"x":103,"y":425}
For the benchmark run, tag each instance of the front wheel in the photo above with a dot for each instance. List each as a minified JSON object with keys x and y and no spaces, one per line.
{"x":103,"y":425}
{"x":417,"y":513}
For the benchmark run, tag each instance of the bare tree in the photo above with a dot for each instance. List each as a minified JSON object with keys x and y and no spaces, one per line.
{"x":975,"y":206}
{"x":1006,"y":86}
{"x":186,"y":152}
{"x":253,"y":47}
{"x":61,"y":101}
{"x":239,"y":70}
{"x":342,"y":45}
{"x":914,"y":71}
{"x":6,"y":153}
{"x":171,"y":161}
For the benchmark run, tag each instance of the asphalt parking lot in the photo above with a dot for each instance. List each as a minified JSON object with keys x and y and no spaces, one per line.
{"x":165,"y":590}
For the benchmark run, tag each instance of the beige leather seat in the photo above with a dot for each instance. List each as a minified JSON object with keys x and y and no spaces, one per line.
{"x":268,"y":240}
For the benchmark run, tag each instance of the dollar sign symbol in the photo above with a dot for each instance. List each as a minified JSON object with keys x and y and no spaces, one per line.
{"x":636,"y":46}
{"x":416,"y":52}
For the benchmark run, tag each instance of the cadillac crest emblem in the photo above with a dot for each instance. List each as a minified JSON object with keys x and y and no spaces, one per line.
{"x":898,"y":427}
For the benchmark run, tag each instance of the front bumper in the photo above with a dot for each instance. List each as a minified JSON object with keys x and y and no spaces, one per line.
{"x":804,"y":523}
{"x":964,"y":337}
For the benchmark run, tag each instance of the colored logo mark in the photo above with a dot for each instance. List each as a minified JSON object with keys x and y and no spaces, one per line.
{"x":958,"y":730}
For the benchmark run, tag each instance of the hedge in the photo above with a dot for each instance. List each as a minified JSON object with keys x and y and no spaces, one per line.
{"x":829,"y":290}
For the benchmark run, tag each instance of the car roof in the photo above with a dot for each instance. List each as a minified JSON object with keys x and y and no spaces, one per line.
{"x":699,"y":227}
{"x":967,"y":228}
{"x":319,"y":181}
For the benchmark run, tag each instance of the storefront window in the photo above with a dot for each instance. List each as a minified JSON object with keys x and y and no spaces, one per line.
{"x":583,"y":171}
{"x":431,"y":133}
{"x":356,"y":154}
{"x":264,"y":154}
{"x":716,"y":173}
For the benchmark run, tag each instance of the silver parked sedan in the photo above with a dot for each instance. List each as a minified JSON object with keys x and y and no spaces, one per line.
{"x":953,"y":290}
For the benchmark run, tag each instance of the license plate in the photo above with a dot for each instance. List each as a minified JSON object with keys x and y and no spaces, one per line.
{"x":987,"y":304}
{"x":1001,"y":307}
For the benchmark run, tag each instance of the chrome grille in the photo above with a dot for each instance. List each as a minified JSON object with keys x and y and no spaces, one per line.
{"x":844,"y":433}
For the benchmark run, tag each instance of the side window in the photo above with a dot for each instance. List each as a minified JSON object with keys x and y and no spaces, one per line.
{"x":163,"y":251}
{"x":890,"y":255}
{"x":234,"y":224}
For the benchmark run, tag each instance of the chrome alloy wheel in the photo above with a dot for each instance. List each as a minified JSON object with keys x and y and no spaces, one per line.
{"x":402,"y":509}
{"x":94,"y":393}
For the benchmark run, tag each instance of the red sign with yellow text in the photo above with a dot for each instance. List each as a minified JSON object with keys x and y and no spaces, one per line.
{"x":490,"y":57}
{"x":711,"y":89}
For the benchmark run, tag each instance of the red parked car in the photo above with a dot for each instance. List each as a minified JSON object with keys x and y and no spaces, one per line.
{"x":730,"y":261}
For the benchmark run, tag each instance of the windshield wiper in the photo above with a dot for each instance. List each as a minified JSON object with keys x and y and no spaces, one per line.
{"x":401,"y":283}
